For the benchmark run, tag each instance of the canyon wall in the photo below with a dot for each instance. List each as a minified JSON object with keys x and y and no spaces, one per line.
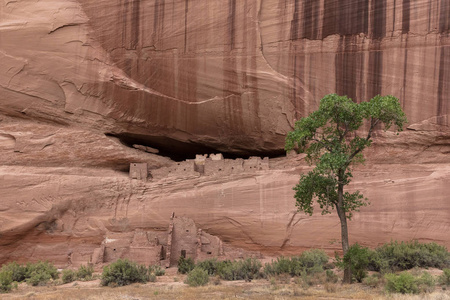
{"x":83,"y":81}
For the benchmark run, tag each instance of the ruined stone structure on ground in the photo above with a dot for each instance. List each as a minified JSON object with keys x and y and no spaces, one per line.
{"x":182,"y":239}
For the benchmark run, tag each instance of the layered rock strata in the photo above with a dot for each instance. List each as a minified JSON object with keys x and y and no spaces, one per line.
{"x":88,"y":87}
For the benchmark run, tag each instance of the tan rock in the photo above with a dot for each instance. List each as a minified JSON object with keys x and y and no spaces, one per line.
{"x":82,"y":81}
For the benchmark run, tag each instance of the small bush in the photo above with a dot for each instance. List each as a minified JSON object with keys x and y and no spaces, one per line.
{"x":68,"y":276}
{"x":395,"y":256}
{"x":372,"y":281}
{"x":156,"y":270}
{"x":41,"y":273}
{"x":6,"y":281}
{"x":39,"y":279}
{"x":312,"y":279}
{"x":85,"y":272}
{"x":197,"y":277}
{"x":152,"y":277}
{"x":357,"y":258}
{"x":185,"y":265}
{"x":247,"y":269}
{"x":123,"y":272}
{"x":19,"y":272}
{"x":209,"y":265}
{"x":311,"y":261}
{"x":403,"y":283}
{"x":426,"y":283}
{"x":444,"y":278}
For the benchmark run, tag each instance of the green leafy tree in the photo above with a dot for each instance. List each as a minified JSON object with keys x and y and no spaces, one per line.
{"x":333,"y":138}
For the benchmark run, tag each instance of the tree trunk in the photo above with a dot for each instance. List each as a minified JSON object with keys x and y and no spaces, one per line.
{"x":344,"y":229}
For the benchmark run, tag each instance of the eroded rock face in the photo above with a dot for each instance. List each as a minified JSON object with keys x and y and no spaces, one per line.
{"x":88,"y":87}
{"x":226,"y":76}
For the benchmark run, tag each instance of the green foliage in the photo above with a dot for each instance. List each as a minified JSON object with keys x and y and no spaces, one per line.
{"x":403,"y":283}
{"x":313,"y":260}
{"x":39,"y":279}
{"x":156,"y":270}
{"x":85,"y":272}
{"x":372,"y":280}
{"x":444,"y":278}
{"x":6,"y":280}
{"x":197,"y":277}
{"x":19,"y":272}
{"x":395,"y":256}
{"x":33,"y":273}
{"x":41,"y":273}
{"x":185,"y":265}
{"x":426,"y":283}
{"x":209,"y":265}
{"x":330,"y":138}
{"x":247,"y":269}
{"x":68,"y":276}
{"x":123,"y":272}
{"x":357,"y":258}
{"x":310,"y":262}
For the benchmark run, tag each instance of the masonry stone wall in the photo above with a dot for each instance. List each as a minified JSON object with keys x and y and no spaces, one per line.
{"x":214,"y":164}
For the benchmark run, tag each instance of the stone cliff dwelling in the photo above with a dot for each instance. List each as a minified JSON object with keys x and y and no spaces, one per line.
{"x":211,"y":164}
{"x":138,"y":171}
{"x":181,"y":239}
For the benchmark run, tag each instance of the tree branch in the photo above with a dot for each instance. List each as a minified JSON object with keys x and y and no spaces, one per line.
{"x":369,"y":135}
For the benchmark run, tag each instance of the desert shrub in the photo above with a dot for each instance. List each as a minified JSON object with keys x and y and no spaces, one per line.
{"x":39,"y":279}
{"x":5,"y":281}
{"x":68,"y":276}
{"x":209,"y":265}
{"x":403,"y":283}
{"x":311,"y":279}
{"x":156,"y":270}
{"x":426,"y":283}
{"x":85,"y":272}
{"x":152,"y":277}
{"x":185,"y":265}
{"x":444,"y":278}
{"x":357,"y":258}
{"x":123,"y":272}
{"x":395,"y":256}
{"x":282,"y":265}
{"x":197,"y":277}
{"x":247,"y":269}
{"x":373,"y":280}
{"x":19,"y":272}
{"x":331,"y":276}
{"x":311,"y":261}
{"x":41,"y":273}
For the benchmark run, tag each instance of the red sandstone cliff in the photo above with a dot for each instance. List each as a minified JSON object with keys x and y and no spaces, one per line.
{"x":82,"y":81}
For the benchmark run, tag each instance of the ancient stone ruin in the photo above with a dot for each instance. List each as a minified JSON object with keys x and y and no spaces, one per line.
{"x":138,"y":171}
{"x":212,"y":164}
{"x":182,"y":239}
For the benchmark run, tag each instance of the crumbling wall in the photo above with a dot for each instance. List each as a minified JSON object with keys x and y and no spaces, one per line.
{"x":139,"y":171}
{"x":210,"y":246}
{"x":213,"y":164}
{"x":184,"y":239}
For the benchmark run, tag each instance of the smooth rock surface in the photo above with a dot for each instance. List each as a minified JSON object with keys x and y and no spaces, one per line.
{"x":231,"y":76}
{"x":83,"y":81}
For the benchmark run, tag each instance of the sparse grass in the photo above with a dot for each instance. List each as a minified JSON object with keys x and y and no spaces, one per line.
{"x":257,"y":290}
